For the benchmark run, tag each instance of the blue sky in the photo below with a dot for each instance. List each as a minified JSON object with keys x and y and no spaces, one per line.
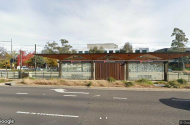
{"x":143,"y":23}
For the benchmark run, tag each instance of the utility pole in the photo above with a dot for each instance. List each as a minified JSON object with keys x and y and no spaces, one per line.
{"x":35,"y":57}
{"x":20,"y":64}
{"x":11,"y":55}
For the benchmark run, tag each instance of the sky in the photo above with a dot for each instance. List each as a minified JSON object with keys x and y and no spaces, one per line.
{"x":143,"y":23}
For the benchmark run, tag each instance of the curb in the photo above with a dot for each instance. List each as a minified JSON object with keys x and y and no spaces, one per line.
{"x":105,"y":88}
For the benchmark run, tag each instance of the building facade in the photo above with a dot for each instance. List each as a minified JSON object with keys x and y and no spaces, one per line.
{"x":108,"y":48}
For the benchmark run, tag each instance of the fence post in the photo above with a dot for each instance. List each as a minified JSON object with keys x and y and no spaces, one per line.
{"x":43,"y":75}
{"x":178,"y":75}
{"x":1,"y":74}
{"x":50,"y":75}
{"x":35,"y":74}
{"x":7,"y":75}
{"x":14,"y":75}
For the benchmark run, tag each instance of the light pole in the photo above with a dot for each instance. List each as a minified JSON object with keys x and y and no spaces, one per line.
{"x":11,"y":49}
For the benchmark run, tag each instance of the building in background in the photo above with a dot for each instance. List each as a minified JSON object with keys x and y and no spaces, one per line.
{"x":142,"y":50}
{"x":170,"y":49}
{"x":108,"y":48}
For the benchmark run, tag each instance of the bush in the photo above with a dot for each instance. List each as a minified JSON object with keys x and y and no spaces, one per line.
{"x":173,"y":84}
{"x":160,"y":82}
{"x":2,"y":80}
{"x":89,"y":84}
{"x":182,"y":81}
{"x":146,"y":81}
{"x":111,"y":79}
{"x":128,"y":84}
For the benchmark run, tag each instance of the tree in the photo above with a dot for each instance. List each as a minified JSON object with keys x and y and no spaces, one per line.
{"x":127,"y":48}
{"x":51,"y":62}
{"x":96,"y":50}
{"x":54,"y":48}
{"x":39,"y":61}
{"x":26,"y":58}
{"x":178,"y":44}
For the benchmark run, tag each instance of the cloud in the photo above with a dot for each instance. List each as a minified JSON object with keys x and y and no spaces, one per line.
{"x":144,"y":23}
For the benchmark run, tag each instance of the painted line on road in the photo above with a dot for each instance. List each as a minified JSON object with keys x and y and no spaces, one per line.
{"x":76,"y":92}
{"x":64,"y":91}
{"x":182,"y":100}
{"x":96,"y":95}
{"x":70,"y":95}
{"x":22,"y":93}
{"x":119,"y":98}
{"x":45,"y":114}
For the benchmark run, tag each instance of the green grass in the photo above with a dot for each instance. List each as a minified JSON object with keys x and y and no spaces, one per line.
{"x":182,"y":81}
{"x":160,"y":82}
{"x":111,"y":79}
{"x":128,"y":84}
{"x":89,"y":84}
{"x":173,"y":84}
{"x":144,"y":81}
{"x":2,"y":80}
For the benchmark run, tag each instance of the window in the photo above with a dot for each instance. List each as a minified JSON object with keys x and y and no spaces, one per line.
{"x":80,"y":52}
{"x":116,"y":51}
{"x":110,"y":51}
{"x":137,"y":51}
{"x":144,"y":51}
{"x":86,"y":52}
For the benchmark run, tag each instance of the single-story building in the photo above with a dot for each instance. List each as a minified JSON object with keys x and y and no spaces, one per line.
{"x":121,"y":66}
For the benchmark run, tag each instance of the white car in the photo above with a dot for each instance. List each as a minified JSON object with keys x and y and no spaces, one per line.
{"x":22,"y":68}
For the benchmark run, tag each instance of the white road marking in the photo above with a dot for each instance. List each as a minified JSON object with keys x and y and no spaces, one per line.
{"x":45,"y":114}
{"x":70,"y":95}
{"x":118,"y":98}
{"x":22,"y":93}
{"x":183,"y":100}
{"x":96,"y":95}
{"x":64,"y":91}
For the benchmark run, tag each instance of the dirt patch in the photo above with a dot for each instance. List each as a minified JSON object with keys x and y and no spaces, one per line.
{"x":89,"y":83}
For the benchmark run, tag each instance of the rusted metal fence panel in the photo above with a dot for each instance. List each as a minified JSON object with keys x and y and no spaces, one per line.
{"x":105,"y":70}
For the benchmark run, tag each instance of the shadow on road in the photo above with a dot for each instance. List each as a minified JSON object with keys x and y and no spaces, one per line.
{"x":177,"y":103}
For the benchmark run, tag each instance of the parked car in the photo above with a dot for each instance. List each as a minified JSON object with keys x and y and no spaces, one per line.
{"x":22,"y":68}
{"x":39,"y":69}
{"x":169,"y":70}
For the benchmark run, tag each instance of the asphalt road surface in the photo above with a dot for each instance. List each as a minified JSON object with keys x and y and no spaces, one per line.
{"x":74,"y":106}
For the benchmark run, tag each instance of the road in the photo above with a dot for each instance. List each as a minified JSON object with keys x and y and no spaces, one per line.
{"x":74,"y":106}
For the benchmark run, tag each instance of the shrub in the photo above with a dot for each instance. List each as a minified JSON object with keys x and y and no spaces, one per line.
{"x":182,"y":81}
{"x":89,"y":84}
{"x":160,"y":82}
{"x":111,"y":79}
{"x":173,"y":84}
{"x":146,"y":81}
{"x":2,"y":80}
{"x":128,"y":84}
